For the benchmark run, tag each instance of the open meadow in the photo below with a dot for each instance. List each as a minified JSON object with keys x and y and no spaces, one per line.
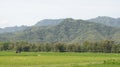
{"x":56,"y":59}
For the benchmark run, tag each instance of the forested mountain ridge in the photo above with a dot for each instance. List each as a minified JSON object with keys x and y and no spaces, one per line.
{"x":12,"y":29}
{"x":68,"y":30}
{"x":109,"y":21}
{"x":45,"y":22}
{"x":48,"y":22}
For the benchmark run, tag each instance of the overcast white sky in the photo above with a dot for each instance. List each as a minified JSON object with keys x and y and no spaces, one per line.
{"x":28,"y":12}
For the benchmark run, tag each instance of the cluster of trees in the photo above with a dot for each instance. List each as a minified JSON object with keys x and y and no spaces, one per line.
{"x":103,"y":46}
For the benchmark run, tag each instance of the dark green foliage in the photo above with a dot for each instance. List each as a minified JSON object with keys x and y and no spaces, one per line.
{"x":5,"y":46}
{"x":102,"y":46}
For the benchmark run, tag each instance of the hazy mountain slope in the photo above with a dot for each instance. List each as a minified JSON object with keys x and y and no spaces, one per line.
{"x":12,"y":29}
{"x":48,"y":22}
{"x":69,"y":30}
{"x":114,"y":22}
{"x":109,"y":21}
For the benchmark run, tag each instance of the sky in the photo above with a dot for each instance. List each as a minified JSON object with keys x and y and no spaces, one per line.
{"x":29,"y":12}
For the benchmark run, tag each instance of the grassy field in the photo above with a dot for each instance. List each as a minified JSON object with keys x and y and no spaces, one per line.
{"x":54,"y":59}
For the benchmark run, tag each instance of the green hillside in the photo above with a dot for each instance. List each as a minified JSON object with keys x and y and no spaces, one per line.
{"x":69,"y":30}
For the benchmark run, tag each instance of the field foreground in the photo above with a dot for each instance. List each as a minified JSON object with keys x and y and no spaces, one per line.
{"x":54,"y":59}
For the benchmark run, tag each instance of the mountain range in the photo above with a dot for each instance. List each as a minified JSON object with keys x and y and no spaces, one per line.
{"x":66,"y":30}
{"x":109,"y":21}
{"x":12,"y":29}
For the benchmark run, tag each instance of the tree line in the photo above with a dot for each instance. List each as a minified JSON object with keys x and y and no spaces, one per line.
{"x":103,"y":46}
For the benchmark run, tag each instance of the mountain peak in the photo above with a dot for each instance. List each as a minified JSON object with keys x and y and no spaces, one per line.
{"x":105,"y":17}
{"x":109,"y":21}
{"x":48,"y":22}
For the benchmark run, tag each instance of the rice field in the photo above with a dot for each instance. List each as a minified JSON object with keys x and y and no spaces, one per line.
{"x":56,"y":59}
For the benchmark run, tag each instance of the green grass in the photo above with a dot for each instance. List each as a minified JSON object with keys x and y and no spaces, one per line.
{"x":54,"y":59}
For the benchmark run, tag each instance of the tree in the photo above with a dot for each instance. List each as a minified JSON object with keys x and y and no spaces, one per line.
{"x":107,"y":46}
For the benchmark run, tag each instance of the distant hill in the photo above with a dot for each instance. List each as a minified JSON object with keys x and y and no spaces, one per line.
{"x":109,"y":21}
{"x":48,"y":22}
{"x":68,"y":30}
{"x":12,"y":29}
{"x":114,"y":22}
